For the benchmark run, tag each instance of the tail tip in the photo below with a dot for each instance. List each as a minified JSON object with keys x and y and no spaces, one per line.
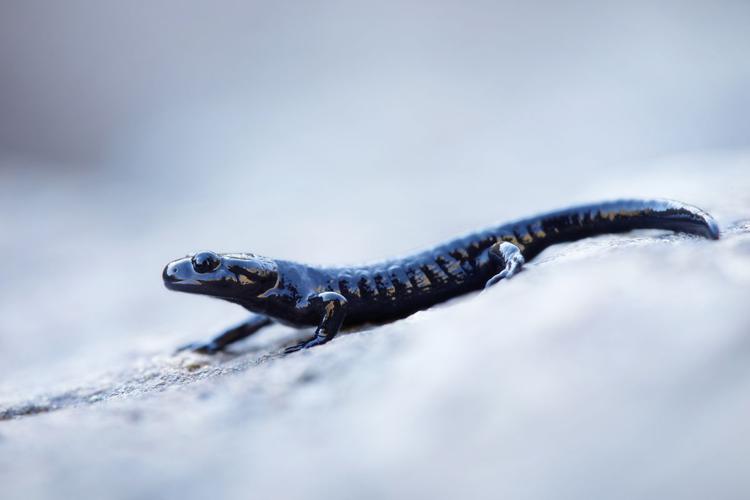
{"x":713,"y":228}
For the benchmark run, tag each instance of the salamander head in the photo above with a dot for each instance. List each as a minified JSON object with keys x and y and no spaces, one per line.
{"x":228,"y":276}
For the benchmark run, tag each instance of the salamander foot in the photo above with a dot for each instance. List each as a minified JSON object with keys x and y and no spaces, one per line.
{"x":332,"y":307}
{"x":508,"y":258}
{"x":239,"y":332}
{"x":209,"y":347}
{"x":306,"y":344}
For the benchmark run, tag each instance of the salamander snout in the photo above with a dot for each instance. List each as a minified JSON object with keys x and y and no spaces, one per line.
{"x":205,"y":262}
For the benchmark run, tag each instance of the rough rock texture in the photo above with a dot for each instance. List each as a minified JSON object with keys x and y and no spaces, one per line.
{"x":616,"y":367}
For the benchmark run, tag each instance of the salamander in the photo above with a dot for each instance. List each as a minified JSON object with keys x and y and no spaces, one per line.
{"x":333,"y":298}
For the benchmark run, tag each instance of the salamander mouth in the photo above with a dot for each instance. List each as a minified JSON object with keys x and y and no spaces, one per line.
{"x":178,"y":284}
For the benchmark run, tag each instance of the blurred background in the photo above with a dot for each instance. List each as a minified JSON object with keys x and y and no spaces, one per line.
{"x":133,"y":133}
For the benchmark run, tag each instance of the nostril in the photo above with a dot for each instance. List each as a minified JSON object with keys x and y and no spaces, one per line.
{"x":169,"y":272}
{"x":205,"y":262}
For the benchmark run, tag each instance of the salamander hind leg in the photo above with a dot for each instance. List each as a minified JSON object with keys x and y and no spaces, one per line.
{"x":332,"y":307}
{"x":508,"y":258}
{"x":239,"y":332}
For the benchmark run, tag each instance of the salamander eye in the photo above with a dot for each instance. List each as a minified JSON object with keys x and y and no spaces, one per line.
{"x":205,"y":262}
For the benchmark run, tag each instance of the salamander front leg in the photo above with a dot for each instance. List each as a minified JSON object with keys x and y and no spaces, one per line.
{"x":508,"y":258}
{"x":332,"y":306}
{"x":239,"y":332}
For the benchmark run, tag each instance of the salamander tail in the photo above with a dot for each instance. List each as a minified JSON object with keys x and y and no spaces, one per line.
{"x":613,"y":217}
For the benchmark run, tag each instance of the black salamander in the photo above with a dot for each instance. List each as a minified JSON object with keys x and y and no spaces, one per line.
{"x":342,"y":297}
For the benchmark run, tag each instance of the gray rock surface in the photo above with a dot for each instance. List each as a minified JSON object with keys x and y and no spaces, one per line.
{"x":616,"y":367}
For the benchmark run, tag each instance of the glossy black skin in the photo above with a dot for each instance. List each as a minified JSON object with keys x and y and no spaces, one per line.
{"x":301,"y":296}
